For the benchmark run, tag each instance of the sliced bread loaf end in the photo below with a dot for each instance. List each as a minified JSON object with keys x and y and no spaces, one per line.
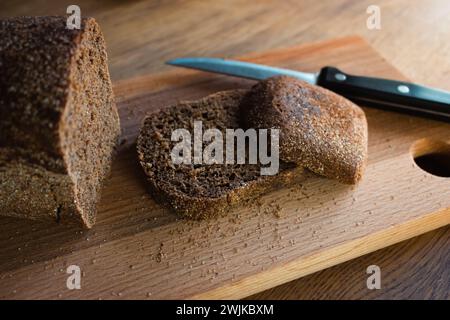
{"x":58,"y":121}
{"x":319,"y":129}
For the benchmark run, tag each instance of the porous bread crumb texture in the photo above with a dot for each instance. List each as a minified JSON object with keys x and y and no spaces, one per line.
{"x":319,"y":129}
{"x":59,"y":124}
{"x":201,"y":191}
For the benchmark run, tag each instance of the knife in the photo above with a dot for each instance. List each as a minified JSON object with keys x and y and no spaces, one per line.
{"x":381,"y":93}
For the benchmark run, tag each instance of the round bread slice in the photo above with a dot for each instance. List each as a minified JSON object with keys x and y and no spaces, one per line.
{"x":319,"y":129}
{"x":199,"y":191}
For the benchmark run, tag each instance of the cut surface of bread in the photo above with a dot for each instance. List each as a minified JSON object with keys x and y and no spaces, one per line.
{"x":59,"y":124}
{"x":319,"y":129}
{"x":203,"y":190}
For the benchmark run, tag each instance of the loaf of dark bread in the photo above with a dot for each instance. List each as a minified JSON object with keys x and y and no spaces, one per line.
{"x":199,"y":190}
{"x":319,"y":129}
{"x":58,"y":121}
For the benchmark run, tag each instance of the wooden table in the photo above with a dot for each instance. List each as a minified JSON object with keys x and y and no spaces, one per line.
{"x":414,"y":35}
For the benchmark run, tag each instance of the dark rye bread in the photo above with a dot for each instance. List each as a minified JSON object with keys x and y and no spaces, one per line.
{"x":319,"y":129}
{"x":58,"y":121}
{"x":201,"y":191}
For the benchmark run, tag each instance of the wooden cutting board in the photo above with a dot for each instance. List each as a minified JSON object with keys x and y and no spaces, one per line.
{"x":140,"y":250}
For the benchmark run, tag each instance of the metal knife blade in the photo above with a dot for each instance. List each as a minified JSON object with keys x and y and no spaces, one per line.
{"x":240,"y":69}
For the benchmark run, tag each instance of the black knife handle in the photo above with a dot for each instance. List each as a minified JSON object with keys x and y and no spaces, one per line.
{"x":388,"y":94}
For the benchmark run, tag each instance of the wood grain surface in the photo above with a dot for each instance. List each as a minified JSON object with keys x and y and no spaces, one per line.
{"x":414,"y":34}
{"x":138,"y":249}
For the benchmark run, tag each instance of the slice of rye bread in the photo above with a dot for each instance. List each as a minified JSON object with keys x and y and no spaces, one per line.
{"x":202,"y":191}
{"x":58,"y":121}
{"x":319,"y":129}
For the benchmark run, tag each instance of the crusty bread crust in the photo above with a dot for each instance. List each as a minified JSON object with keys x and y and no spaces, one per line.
{"x":202,"y":191}
{"x":58,"y":121}
{"x":319,"y":129}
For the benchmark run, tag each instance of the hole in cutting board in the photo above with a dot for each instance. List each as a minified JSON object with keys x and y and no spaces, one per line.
{"x":432,"y":156}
